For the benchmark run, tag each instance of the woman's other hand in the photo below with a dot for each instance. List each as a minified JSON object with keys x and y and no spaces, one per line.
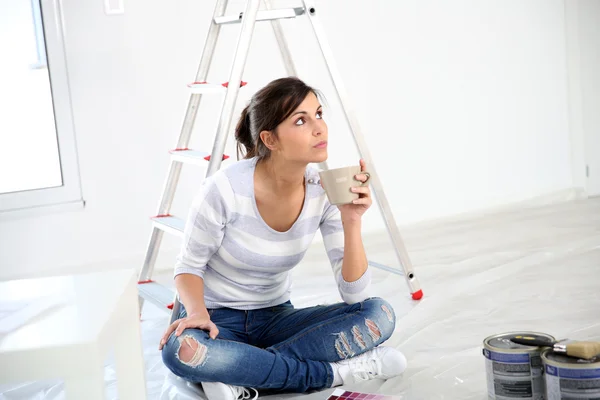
{"x":199,"y":321}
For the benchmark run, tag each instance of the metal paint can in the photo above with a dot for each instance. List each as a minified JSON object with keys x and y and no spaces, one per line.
{"x":514,"y":371}
{"x":571,"y":378}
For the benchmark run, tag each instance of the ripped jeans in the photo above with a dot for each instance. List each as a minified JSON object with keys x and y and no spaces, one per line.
{"x":280,"y":348}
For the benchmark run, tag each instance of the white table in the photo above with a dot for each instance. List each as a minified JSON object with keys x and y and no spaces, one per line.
{"x":63,"y":327}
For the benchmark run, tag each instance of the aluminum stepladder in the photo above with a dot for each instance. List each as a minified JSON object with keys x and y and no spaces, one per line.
{"x":165,"y":222}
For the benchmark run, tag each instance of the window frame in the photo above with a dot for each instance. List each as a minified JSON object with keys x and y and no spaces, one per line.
{"x":70,"y":190}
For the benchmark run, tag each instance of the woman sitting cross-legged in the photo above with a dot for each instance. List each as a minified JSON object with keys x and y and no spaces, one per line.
{"x":250,"y":224}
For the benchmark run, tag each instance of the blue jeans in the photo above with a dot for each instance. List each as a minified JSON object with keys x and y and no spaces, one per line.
{"x":281,"y":348}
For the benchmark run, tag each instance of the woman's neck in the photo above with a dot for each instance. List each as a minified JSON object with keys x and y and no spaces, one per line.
{"x":281,"y":176}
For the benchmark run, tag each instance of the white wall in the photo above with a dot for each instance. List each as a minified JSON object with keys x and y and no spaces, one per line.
{"x":583,"y":56}
{"x":463,"y":105}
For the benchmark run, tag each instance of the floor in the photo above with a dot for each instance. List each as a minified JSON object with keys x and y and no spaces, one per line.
{"x":526,"y":269}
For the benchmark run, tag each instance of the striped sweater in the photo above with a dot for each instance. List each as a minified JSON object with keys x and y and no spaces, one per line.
{"x":245,"y":263}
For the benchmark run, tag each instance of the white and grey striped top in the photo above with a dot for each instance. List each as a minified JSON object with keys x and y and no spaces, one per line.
{"x":245,"y":263}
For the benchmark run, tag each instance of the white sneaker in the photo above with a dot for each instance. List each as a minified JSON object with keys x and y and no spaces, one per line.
{"x":222,"y":391}
{"x":379,"y":363}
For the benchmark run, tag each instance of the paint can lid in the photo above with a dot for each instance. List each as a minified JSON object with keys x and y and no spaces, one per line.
{"x":561,"y":359}
{"x":503,"y":342}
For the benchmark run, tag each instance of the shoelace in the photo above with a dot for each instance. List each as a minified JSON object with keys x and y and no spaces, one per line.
{"x":245,"y":393}
{"x":364,"y":370}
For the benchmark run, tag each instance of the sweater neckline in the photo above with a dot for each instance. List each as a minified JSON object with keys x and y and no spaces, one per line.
{"x":255,"y":206}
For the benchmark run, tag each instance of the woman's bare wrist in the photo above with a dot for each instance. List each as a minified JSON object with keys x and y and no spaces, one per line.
{"x":199,"y":312}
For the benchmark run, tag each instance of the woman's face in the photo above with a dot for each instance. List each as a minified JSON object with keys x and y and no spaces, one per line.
{"x":302,"y":137}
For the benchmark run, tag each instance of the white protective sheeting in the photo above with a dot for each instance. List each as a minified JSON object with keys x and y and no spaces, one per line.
{"x":525,"y":269}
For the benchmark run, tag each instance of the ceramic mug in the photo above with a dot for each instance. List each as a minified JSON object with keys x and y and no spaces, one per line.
{"x":338,"y":182}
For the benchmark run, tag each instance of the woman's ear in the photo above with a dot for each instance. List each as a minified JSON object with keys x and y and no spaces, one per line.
{"x":269,"y":139}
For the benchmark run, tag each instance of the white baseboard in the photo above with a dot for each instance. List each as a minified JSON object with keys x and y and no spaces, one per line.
{"x":166,"y":258}
{"x":547,"y":199}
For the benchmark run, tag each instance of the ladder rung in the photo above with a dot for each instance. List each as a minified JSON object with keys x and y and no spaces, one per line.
{"x":169,"y":224}
{"x":386,"y":268}
{"x":189,"y":156}
{"x":156,"y":293}
{"x":266,"y":15}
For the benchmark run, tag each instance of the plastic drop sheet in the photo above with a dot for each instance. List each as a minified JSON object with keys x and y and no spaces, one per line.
{"x":525,"y":269}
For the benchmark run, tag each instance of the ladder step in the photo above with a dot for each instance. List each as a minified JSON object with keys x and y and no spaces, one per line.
{"x":169,"y":224}
{"x":206,"y":88}
{"x":157,"y":294}
{"x":189,"y":156}
{"x":266,"y":15}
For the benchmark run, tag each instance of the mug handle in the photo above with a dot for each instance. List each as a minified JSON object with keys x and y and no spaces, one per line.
{"x":368,"y":174}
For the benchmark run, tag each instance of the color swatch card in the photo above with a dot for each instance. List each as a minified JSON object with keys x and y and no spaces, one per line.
{"x":341,"y":394}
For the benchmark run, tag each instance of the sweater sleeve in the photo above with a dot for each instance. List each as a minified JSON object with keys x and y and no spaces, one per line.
{"x":205,"y":225}
{"x":333,"y":239}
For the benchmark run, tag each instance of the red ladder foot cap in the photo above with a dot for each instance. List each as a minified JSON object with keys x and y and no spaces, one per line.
{"x":418,"y":295}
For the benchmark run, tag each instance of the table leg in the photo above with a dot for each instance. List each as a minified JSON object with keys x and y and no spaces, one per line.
{"x":88,"y":385}
{"x":130,"y":367}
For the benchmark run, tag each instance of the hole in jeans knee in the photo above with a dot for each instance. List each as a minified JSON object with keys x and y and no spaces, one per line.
{"x":191,"y":352}
{"x":342,"y":346}
{"x":374,"y":331}
{"x":388,"y":313}
{"x":358,"y":338}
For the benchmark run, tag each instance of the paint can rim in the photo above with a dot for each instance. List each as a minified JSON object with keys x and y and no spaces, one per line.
{"x":561,"y":360}
{"x":517,"y":348}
